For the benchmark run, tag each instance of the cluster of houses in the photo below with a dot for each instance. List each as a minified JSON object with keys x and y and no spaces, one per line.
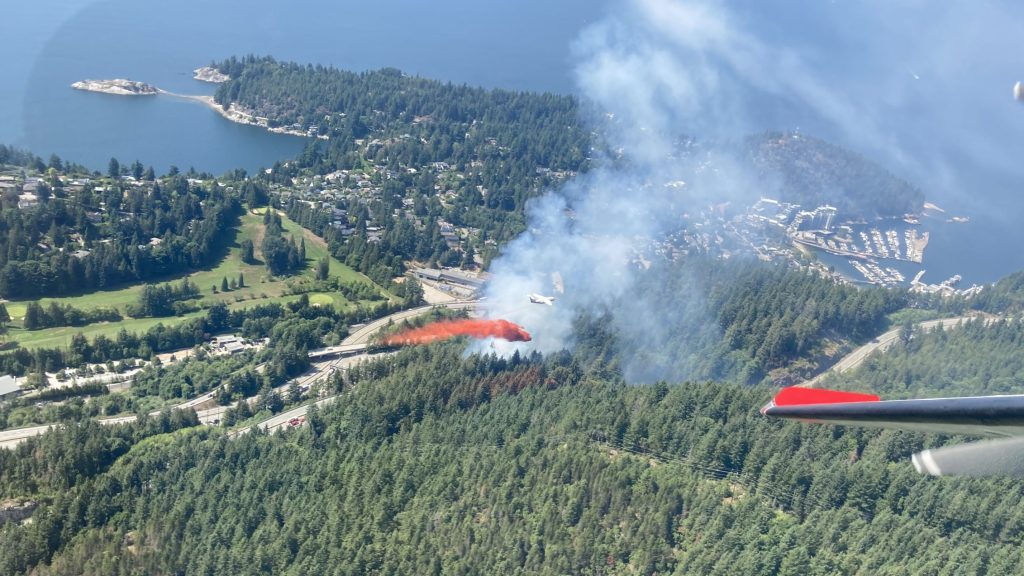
{"x":27,"y":190}
{"x":357,"y":187}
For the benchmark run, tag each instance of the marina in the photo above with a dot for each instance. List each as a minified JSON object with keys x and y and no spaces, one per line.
{"x":884,"y":252}
{"x":873,"y":244}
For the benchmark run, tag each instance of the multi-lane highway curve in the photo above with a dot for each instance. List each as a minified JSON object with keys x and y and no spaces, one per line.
{"x":858,"y":356}
{"x":13,"y":437}
{"x":350,"y":351}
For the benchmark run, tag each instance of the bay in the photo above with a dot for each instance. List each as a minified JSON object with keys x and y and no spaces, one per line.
{"x":954,"y":112}
{"x":57,"y":42}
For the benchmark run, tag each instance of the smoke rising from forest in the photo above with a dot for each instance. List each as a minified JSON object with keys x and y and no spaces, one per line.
{"x":598,"y":234}
{"x":655,"y":73}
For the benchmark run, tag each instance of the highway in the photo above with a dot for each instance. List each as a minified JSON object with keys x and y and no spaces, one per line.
{"x":354,"y":343}
{"x":362,"y":334}
{"x":858,"y":356}
{"x":13,"y":437}
{"x":358,"y":339}
{"x":282,"y":420}
{"x":212,"y":415}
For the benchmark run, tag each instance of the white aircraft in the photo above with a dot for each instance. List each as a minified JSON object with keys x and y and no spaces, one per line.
{"x":1000,"y":418}
{"x":540,"y":299}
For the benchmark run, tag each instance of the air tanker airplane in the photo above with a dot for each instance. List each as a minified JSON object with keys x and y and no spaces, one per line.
{"x":998,"y":417}
{"x":539,"y":299}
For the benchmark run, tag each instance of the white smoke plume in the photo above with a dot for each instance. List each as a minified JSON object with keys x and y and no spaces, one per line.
{"x":651,"y":73}
{"x":638,"y":80}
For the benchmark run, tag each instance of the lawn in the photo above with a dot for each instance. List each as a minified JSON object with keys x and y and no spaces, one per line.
{"x":57,"y":337}
{"x":260,"y":288}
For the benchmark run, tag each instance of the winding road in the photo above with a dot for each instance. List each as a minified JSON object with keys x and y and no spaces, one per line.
{"x":858,"y":356}
{"x":352,"y":351}
{"x":351,"y":348}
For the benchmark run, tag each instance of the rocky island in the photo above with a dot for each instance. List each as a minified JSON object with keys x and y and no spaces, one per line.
{"x":118,"y":86}
{"x":210,"y":74}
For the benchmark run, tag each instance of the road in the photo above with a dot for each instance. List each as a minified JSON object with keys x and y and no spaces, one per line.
{"x":858,"y":356}
{"x":13,"y":437}
{"x":362,"y":334}
{"x":355,"y":342}
{"x":282,"y":420}
{"x":213,"y":415}
{"x":359,"y":337}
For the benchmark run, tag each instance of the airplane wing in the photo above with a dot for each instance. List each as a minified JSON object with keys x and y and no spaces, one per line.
{"x":992,"y":416}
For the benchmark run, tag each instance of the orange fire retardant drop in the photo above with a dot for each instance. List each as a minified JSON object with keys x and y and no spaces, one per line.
{"x":451,"y":328}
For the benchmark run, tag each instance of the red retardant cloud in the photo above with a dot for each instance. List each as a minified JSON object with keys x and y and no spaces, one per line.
{"x":451,"y":328}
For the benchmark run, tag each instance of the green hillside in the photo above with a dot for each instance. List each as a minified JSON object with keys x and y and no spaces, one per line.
{"x":260,"y":288}
{"x":438,"y":464}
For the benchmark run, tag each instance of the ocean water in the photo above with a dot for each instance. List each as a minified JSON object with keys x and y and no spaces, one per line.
{"x":944,"y":107}
{"x":950,"y":251}
{"x":52,"y":43}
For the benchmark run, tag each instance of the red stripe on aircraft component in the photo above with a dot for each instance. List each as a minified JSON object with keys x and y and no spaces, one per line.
{"x":795,"y":396}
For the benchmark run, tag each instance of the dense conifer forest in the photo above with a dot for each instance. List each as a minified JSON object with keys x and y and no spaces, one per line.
{"x":435,"y":463}
{"x":981,"y":356}
{"x":814,"y":172}
{"x":740,"y":321}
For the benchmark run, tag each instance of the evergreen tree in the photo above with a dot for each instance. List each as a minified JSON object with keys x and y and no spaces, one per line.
{"x":33,"y":316}
{"x":468,"y":262}
{"x":248,"y":252}
{"x":323,"y":267}
{"x":906,"y":332}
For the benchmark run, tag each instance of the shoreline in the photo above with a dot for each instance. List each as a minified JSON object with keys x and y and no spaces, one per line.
{"x":239,"y":116}
{"x":234,"y":113}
